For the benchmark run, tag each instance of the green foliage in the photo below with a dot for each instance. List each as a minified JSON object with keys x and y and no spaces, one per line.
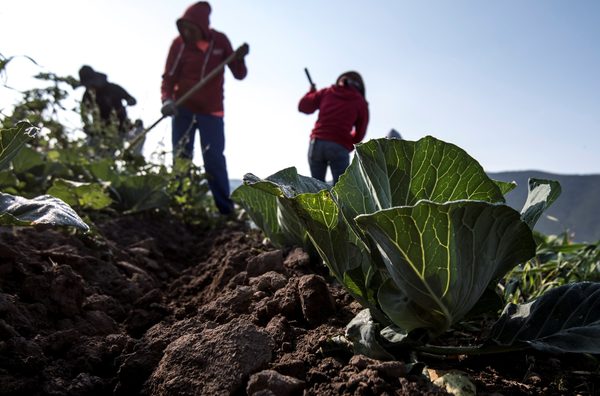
{"x":92,"y":174}
{"x":103,"y":138}
{"x":12,"y":140}
{"x":142,"y":192}
{"x":564,"y":320}
{"x":415,"y":231}
{"x":41,"y":106}
{"x":266,"y":203}
{"x":403,"y":227}
{"x":16,"y":210}
{"x":81,"y":195}
{"x":442,"y":257}
{"x":558,"y":262}
{"x":188,"y":189}
{"x":40,"y":210}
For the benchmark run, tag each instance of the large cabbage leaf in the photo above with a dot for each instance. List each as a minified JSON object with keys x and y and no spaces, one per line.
{"x":44,"y":209}
{"x":297,"y":210}
{"x":564,"y":320}
{"x":417,"y":229}
{"x":443,"y":257}
{"x":344,"y":253}
{"x":16,"y":210}
{"x":261,"y":206}
{"x":142,"y":192}
{"x":264,"y":200}
{"x":386,"y":173}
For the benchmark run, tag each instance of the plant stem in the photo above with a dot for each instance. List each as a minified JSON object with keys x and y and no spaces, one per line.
{"x":468,"y":350}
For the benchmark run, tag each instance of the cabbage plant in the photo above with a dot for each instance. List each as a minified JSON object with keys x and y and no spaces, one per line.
{"x":415,"y":231}
{"x":44,"y":209}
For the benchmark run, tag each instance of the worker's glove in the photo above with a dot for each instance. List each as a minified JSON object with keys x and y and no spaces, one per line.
{"x":169,"y":108}
{"x":242,"y":51}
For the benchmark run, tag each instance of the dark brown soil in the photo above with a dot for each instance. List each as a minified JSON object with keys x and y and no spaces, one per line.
{"x":150,"y":306}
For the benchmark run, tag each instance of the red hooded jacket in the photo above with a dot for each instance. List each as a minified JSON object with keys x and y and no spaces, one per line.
{"x":343,"y":114}
{"x":186,"y":65}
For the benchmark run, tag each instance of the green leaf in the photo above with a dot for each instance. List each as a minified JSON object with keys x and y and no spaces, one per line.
{"x":336,"y":243}
{"x":85,"y":195}
{"x":505,"y":187}
{"x":40,"y":210}
{"x":292,"y":184}
{"x":416,"y":229}
{"x":402,"y":311}
{"x":104,"y":169}
{"x":266,"y":201}
{"x":8,"y":179}
{"x":297,"y":210}
{"x":442,"y":257}
{"x":389,"y":172}
{"x":143,"y":192}
{"x":566,"y":319}
{"x":27,"y":159}
{"x":262,"y":209}
{"x":542,"y":194}
{"x":11,"y":141}
{"x":365,"y":337}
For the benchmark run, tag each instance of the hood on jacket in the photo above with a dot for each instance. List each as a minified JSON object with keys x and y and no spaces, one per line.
{"x":198,"y":14}
{"x":89,"y":77}
{"x":352,"y":78}
{"x":345,"y":92}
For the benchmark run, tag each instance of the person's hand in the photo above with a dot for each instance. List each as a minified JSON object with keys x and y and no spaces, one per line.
{"x":241,"y":52}
{"x":168,"y":108}
{"x":131,"y":101}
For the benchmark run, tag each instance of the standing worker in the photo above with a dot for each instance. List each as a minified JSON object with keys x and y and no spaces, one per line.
{"x":104,"y":99}
{"x":394,"y":134}
{"x":342,"y":122}
{"x":193,"y":54}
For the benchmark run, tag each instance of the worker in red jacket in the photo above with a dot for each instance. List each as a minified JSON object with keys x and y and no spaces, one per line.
{"x":193,"y":54}
{"x":342,"y":122}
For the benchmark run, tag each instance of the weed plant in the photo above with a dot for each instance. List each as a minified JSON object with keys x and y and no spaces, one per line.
{"x":558,"y":261}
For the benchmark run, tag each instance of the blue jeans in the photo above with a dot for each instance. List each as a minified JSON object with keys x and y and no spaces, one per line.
{"x":323,"y":153}
{"x":212,"y":143}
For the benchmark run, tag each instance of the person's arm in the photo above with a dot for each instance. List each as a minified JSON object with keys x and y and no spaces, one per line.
{"x":169,"y":75}
{"x":238,"y":65}
{"x":360,"y":127}
{"x":123,"y":94}
{"x":311,"y":101}
{"x":130,"y":99}
{"x":169,"y":78}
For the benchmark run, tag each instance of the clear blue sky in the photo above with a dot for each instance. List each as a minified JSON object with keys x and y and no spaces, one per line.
{"x":515,"y":83}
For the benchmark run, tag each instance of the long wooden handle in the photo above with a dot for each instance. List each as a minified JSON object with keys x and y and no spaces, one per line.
{"x":308,"y":76}
{"x":211,"y":74}
{"x":242,"y":50}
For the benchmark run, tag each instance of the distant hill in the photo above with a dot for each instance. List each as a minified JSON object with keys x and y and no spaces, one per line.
{"x":234,"y":183}
{"x":576,"y":209}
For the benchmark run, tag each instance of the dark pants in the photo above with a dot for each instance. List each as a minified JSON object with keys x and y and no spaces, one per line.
{"x":323,"y":153}
{"x":212,"y":143}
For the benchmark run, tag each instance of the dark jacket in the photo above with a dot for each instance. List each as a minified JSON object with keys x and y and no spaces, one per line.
{"x":343,"y":114}
{"x":108,"y":97}
{"x":186,"y":65}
